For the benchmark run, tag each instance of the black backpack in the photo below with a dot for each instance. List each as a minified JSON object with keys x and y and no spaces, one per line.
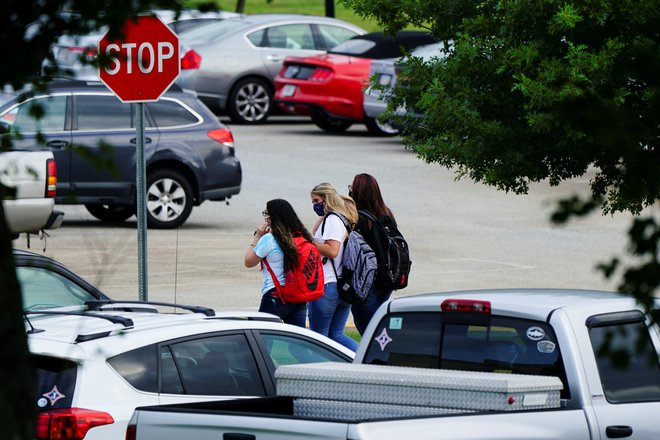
{"x":391,"y":252}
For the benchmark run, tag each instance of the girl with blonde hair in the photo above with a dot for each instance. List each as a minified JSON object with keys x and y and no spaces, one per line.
{"x":338,"y":214}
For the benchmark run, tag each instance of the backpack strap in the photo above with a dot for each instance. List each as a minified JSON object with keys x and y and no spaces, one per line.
{"x":278,"y":286}
{"x":348,"y":230}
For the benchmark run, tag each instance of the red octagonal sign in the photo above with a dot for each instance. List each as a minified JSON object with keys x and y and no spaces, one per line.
{"x":144,"y":60}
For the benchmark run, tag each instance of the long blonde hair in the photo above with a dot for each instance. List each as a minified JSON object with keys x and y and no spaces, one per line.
{"x":335,"y":202}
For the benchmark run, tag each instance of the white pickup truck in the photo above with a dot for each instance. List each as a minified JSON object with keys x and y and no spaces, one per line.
{"x":560,"y":334}
{"x":32,"y":176}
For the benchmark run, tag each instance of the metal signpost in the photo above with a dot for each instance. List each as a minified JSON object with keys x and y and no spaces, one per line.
{"x":144,"y":62}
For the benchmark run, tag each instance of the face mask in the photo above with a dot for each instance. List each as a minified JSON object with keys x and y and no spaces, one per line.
{"x":318,"y":209}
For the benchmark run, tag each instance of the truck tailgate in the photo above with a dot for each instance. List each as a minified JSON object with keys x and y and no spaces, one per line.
{"x":561,"y":424}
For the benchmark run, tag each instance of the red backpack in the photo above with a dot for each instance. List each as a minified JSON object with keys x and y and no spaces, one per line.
{"x":305,"y":282}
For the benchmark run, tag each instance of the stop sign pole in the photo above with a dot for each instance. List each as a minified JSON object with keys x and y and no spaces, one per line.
{"x":143,"y":62}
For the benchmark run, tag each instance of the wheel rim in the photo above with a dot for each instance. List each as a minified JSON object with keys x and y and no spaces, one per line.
{"x":166,"y":200}
{"x":252,"y":102}
{"x":386,"y":127}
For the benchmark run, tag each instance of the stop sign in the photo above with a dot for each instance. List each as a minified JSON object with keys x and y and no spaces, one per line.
{"x":144,"y":60}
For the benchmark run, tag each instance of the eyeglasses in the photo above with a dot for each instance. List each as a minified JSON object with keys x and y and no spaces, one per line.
{"x":265,"y":213}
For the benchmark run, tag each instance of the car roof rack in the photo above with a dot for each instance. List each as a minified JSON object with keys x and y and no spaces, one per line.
{"x":126,"y":322}
{"x":98,"y":304}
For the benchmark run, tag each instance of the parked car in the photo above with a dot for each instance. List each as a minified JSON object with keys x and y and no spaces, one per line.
{"x":31,"y":176}
{"x":76,"y":54}
{"x":94,"y":368}
{"x":190,"y":155}
{"x":383,"y":73}
{"x":46,"y":283}
{"x":240,"y":57}
{"x":330,"y":87}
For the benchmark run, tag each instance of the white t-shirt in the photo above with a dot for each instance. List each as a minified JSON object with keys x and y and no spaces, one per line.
{"x":334,"y":229}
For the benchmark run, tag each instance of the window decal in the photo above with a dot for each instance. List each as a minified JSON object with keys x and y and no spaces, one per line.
{"x":546,"y":347}
{"x":383,"y":339}
{"x":53,"y":395}
{"x":535,"y":333}
{"x":396,"y":323}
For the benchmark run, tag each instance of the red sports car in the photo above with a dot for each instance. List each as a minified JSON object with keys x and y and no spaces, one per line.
{"x":330,"y":87}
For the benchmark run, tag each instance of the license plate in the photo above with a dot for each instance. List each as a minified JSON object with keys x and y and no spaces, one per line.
{"x":288,"y":90}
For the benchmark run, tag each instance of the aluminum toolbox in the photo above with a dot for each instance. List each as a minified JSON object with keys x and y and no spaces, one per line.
{"x":354,"y":411}
{"x":422,"y":387}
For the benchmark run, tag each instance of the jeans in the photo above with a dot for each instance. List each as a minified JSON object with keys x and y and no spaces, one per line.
{"x":295,"y":314}
{"x":362,"y":313}
{"x":328,"y":316}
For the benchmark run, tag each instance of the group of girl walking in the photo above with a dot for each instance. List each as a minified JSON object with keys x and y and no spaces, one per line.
{"x":273,"y":242}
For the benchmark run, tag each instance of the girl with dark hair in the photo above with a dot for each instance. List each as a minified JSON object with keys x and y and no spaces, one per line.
{"x":366,"y":193}
{"x":273,"y":240}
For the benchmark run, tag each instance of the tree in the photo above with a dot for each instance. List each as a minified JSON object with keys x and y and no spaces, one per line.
{"x":28,"y":29}
{"x":542,"y":90}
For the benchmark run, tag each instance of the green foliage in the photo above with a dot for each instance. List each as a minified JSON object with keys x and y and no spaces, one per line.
{"x":541,"y":91}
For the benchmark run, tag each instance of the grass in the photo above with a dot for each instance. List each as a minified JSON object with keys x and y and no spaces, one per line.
{"x":310,"y":7}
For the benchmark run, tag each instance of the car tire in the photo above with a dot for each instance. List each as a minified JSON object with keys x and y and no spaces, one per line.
{"x":331,"y":125}
{"x":250,"y":101}
{"x":169,"y":199}
{"x":378,"y":128}
{"x":110,"y":213}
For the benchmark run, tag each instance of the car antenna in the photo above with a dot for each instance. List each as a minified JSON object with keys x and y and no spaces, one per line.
{"x":32,"y":329}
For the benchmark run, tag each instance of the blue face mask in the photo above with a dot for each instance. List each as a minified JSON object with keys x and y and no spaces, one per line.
{"x":318,"y":209}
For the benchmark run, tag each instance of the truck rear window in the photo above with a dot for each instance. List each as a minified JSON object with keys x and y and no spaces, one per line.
{"x":471,"y":343}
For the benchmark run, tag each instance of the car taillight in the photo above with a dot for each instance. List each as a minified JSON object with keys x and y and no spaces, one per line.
{"x":222,"y":135}
{"x":191,"y":60}
{"x":51,"y":178}
{"x":320,"y":74}
{"x":465,"y":306}
{"x":131,"y":432}
{"x":87,"y":53}
{"x":69,"y":423}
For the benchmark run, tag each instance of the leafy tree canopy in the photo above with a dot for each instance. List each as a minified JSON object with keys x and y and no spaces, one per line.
{"x":543,"y":90}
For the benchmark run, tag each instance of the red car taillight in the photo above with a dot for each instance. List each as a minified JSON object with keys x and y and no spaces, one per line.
{"x":191,"y":60}
{"x":69,"y":423}
{"x":222,"y":135}
{"x":87,"y":53}
{"x":51,"y":178}
{"x":320,"y":74}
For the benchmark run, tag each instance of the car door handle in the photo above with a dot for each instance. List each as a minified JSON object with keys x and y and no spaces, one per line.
{"x":274,"y":58}
{"x":618,"y":431}
{"x":237,"y":436}
{"x":57,"y":145}
{"x":146,"y":140}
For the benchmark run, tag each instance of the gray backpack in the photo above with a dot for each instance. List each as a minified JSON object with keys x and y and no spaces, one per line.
{"x":359,"y":267}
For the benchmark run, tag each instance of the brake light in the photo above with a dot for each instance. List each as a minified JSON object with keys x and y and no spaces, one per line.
{"x":51,"y":178}
{"x":69,"y":423}
{"x":87,"y":53}
{"x":131,"y":432}
{"x":465,"y":306}
{"x":222,"y":135}
{"x":191,"y":60}
{"x":320,"y":74}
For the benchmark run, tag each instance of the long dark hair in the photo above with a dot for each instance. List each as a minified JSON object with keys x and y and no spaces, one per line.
{"x":366,"y":193}
{"x":284,"y":222}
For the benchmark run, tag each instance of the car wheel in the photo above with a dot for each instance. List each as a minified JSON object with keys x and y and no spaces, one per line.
{"x":378,"y":128}
{"x":250,"y":101}
{"x":331,"y":125}
{"x":169,"y":199}
{"x":110,"y":213}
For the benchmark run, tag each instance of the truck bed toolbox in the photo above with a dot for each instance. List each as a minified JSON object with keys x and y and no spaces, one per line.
{"x":417,"y":387}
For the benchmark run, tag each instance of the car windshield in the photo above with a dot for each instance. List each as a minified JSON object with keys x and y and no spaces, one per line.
{"x":378,"y":46}
{"x":212,"y":31}
{"x":44,"y":289}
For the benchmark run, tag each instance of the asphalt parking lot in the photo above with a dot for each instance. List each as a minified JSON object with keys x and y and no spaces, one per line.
{"x":462,"y":235}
